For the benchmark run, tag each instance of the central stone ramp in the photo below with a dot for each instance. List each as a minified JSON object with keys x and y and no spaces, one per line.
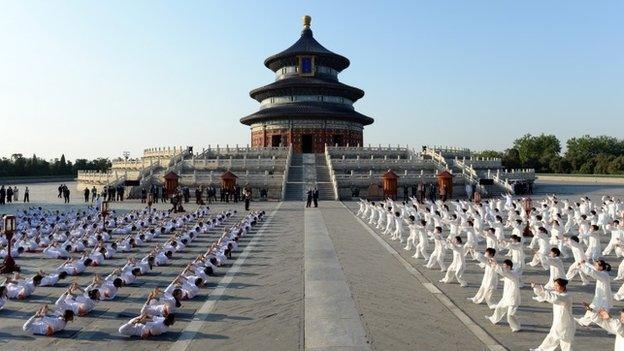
{"x":332,"y":320}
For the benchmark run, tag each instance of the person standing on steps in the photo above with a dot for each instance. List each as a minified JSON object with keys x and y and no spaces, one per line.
{"x":309,"y":198}
{"x":247,"y":197}
{"x":315,"y":196}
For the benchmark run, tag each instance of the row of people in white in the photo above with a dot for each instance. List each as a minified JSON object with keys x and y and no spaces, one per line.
{"x":157,"y":314}
{"x":548,"y":248}
{"x":80,"y":301}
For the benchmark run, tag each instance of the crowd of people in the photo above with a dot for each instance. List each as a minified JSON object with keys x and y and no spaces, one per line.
{"x":82,"y":239}
{"x":202,"y":195}
{"x":497,"y":233}
{"x":11,"y":194}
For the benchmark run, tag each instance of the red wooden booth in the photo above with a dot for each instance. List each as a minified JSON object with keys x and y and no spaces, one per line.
{"x":445,"y":184}
{"x":389,"y":182}
{"x":228,"y":180}
{"x":171,"y":183}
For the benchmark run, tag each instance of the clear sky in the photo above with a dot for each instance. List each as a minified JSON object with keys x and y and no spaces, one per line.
{"x":96,"y":78}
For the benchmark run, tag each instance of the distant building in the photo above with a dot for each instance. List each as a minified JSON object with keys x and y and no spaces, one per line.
{"x":306,"y":107}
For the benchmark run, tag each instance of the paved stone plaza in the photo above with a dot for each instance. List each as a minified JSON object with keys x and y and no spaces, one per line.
{"x":317,"y":279}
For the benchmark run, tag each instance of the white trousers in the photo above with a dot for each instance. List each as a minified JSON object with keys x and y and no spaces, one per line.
{"x":499,"y":313}
{"x":551,"y":342}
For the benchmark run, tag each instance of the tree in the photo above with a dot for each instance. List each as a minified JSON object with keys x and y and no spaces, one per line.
{"x":617,"y":165}
{"x":511,"y":159}
{"x":489,"y":154}
{"x":537,"y":151}
{"x":19,"y":166}
{"x":582,"y":152}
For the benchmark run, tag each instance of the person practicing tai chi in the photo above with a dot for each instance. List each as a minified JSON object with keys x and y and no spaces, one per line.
{"x":603,"y":297}
{"x":555,"y":265}
{"x":614,"y":326}
{"x":563,"y":327}
{"x":579,"y":256}
{"x":510,"y":301}
{"x":423,"y":241}
{"x":458,"y":264}
{"x":489,"y":282}
{"x":439,"y":251}
{"x":413,"y":233}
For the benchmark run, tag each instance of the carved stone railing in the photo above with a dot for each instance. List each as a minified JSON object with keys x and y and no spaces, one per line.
{"x":286,"y":172}
{"x":332,"y":174}
{"x":163,"y":152}
{"x":239,"y":152}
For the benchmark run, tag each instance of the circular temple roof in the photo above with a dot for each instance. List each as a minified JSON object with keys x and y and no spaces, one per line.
{"x":307,"y":110}
{"x":306,"y":45}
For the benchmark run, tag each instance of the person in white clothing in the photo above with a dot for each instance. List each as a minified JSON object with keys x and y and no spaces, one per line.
{"x":617,"y":236}
{"x":579,"y":256}
{"x":563,"y":327}
{"x":614,"y":326}
{"x":510,"y":301}
{"x":3,"y":296}
{"x":555,"y":265}
{"x":43,"y":324}
{"x":145,"y":326}
{"x":458,"y":264}
{"x":398,"y":227}
{"x":603,"y":297}
{"x":593,"y":251}
{"x":423,"y":241}
{"x":413,"y":233}
{"x":439,"y":251}
{"x":489,"y":281}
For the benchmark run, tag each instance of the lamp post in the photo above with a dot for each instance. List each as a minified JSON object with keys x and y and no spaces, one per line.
{"x":104,"y":211}
{"x":9,"y":266}
{"x":528,"y":206}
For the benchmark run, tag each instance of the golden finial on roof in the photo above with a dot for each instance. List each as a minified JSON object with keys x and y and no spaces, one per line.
{"x":306,"y":21}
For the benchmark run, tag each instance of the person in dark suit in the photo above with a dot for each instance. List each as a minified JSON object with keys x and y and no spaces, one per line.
{"x":309,"y":198}
{"x":315,"y":196}
{"x":247,"y":197}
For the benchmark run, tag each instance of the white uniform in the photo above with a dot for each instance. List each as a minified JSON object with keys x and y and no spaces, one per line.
{"x":47,"y":325}
{"x":488,"y":283}
{"x":603,"y":297}
{"x":563,"y":327}
{"x":457,"y":265}
{"x":510,"y":301}
{"x":613,"y":326}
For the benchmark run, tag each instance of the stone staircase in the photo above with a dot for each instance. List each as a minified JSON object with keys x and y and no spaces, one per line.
{"x":323,"y":181}
{"x":294,"y":183}
{"x":308,"y":171}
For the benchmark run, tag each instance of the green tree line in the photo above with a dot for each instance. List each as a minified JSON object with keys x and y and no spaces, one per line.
{"x":583,"y":155}
{"x":19,"y":166}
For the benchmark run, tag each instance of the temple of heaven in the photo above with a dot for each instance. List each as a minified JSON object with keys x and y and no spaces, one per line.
{"x":306,"y":107}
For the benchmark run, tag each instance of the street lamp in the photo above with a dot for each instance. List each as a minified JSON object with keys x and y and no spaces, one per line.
{"x":9,"y":266}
